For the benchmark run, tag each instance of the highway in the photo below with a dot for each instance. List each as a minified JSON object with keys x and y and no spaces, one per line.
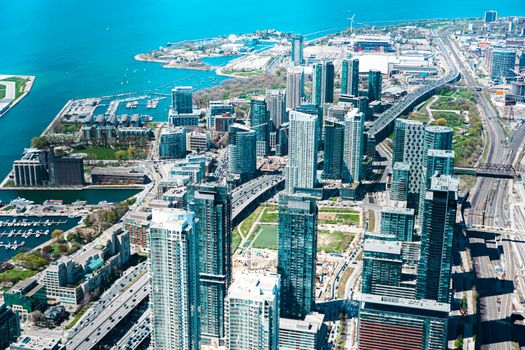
{"x":245,"y":194}
{"x":407,"y":102}
{"x":130,"y":291}
{"x":492,"y":258}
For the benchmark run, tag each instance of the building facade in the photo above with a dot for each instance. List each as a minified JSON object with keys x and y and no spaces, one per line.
{"x":243,"y":153}
{"x":212,"y":206}
{"x":323,"y":83}
{"x":297,"y":255}
{"x":260,"y":122}
{"x":294,"y":87}
{"x":174,"y":298}
{"x":182,"y":99}
{"x":301,"y":170}
{"x":353,"y":146}
{"x":333,"y":149}
{"x":350,"y":77}
{"x":252,"y":312}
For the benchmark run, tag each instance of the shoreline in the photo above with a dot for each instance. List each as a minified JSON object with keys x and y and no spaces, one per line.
{"x":29,"y":85}
{"x":75,"y":188}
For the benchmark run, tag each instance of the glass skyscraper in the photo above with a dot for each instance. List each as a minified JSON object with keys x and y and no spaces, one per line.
{"x":323,"y":83}
{"x":375,"y":82}
{"x":297,"y":254}
{"x":400,"y":178}
{"x":174,"y":297}
{"x":408,"y":148}
{"x":437,"y":231}
{"x":173,"y":143}
{"x":182,"y":100}
{"x":276,"y":106}
{"x":212,"y":207}
{"x":353,"y":146}
{"x":297,"y":50}
{"x":303,"y":146}
{"x":350,"y":77}
{"x":398,"y":222}
{"x":333,"y":149}
{"x":260,"y":122}
{"x":242,"y":147}
{"x":252,"y":312}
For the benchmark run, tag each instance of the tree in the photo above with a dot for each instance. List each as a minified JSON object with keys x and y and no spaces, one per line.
{"x":56,"y":233}
{"x":39,"y":142}
{"x":131,"y":151}
{"x":441,"y":122}
{"x":37,"y":316}
{"x":120,"y":155}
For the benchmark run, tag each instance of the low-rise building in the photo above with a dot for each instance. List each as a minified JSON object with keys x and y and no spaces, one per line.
{"x":118,"y":176}
{"x":25,"y":297}
{"x":9,"y":326}
{"x":307,"y":334}
{"x":137,"y":224}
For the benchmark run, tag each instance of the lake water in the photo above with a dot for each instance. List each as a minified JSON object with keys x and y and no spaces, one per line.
{"x":85,"y":48}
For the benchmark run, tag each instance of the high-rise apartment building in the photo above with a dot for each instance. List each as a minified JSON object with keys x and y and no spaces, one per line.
{"x":297,"y":254}
{"x":437,"y":231}
{"x":350,"y":77}
{"x":173,"y":143}
{"x":294,"y":87}
{"x":297,"y":50}
{"x":333,"y":149}
{"x":303,"y":146}
{"x":242,"y":143}
{"x":501,"y":63}
{"x":398,"y":222}
{"x":375,"y":82}
{"x":252,"y":312}
{"x":353,"y":146}
{"x":400,"y":179}
{"x":260,"y":122}
{"x":182,"y":100}
{"x":490,"y":16}
{"x":276,"y":106}
{"x":323,"y":83}
{"x":212,"y":207}
{"x":174,"y":297}
{"x":407,"y":147}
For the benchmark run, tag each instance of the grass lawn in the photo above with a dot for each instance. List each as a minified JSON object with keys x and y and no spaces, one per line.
{"x":2,"y":91}
{"x":77,"y":317}
{"x":20,"y":85}
{"x":236,"y":239}
{"x":101,"y":153}
{"x":247,"y":223}
{"x":341,"y":218}
{"x":338,"y":210}
{"x":333,"y":242}
{"x":342,"y":282}
{"x":267,"y":237}
{"x":16,"y":275}
{"x":270,"y":214}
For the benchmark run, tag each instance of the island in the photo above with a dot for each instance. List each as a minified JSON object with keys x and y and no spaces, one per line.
{"x":13,"y":88}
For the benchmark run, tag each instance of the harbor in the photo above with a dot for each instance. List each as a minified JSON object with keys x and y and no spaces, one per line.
{"x":19,"y":233}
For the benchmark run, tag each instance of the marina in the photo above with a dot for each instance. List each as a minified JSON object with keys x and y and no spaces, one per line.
{"x":19,"y":233}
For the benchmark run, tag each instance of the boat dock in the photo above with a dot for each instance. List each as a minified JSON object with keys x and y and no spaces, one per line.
{"x":27,"y":223}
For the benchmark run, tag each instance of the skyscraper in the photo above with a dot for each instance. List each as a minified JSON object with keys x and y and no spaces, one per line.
{"x":276,"y":106}
{"x":382,"y":267}
{"x":212,"y":207}
{"x":350,"y":77}
{"x":303,"y":146}
{"x":490,"y":16}
{"x":437,"y":138}
{"x":297,"y":50}
{"x":173,"y":143}
{"x":242,"y":147}
{"x":181,"y":99}
{"x":294,"y":87}
{"x":398,"y":222}
{"x":297,"y":254}
{"x":375,"y":82}
{"x":333,"y":149}
{"x":407,"y":147}
{"x":501,"y":63}
{"x":260,"y":122}
{"x":174,"y":297}
{"x":437,"y":231}
{"x":353,"y":146}
{"x":252,"y":312}
{"x":323,"y":83}
{"x":400,"y":178}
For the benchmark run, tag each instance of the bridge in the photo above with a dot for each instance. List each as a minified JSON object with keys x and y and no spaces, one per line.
{"x":250,"y":194}
{"x":384,"y":125}
{"x":502,"y":171}
{"x":494,"y":229}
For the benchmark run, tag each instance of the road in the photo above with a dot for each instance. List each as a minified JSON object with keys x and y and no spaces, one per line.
{"x":492,"y":257}
{"x":109,"y":312}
